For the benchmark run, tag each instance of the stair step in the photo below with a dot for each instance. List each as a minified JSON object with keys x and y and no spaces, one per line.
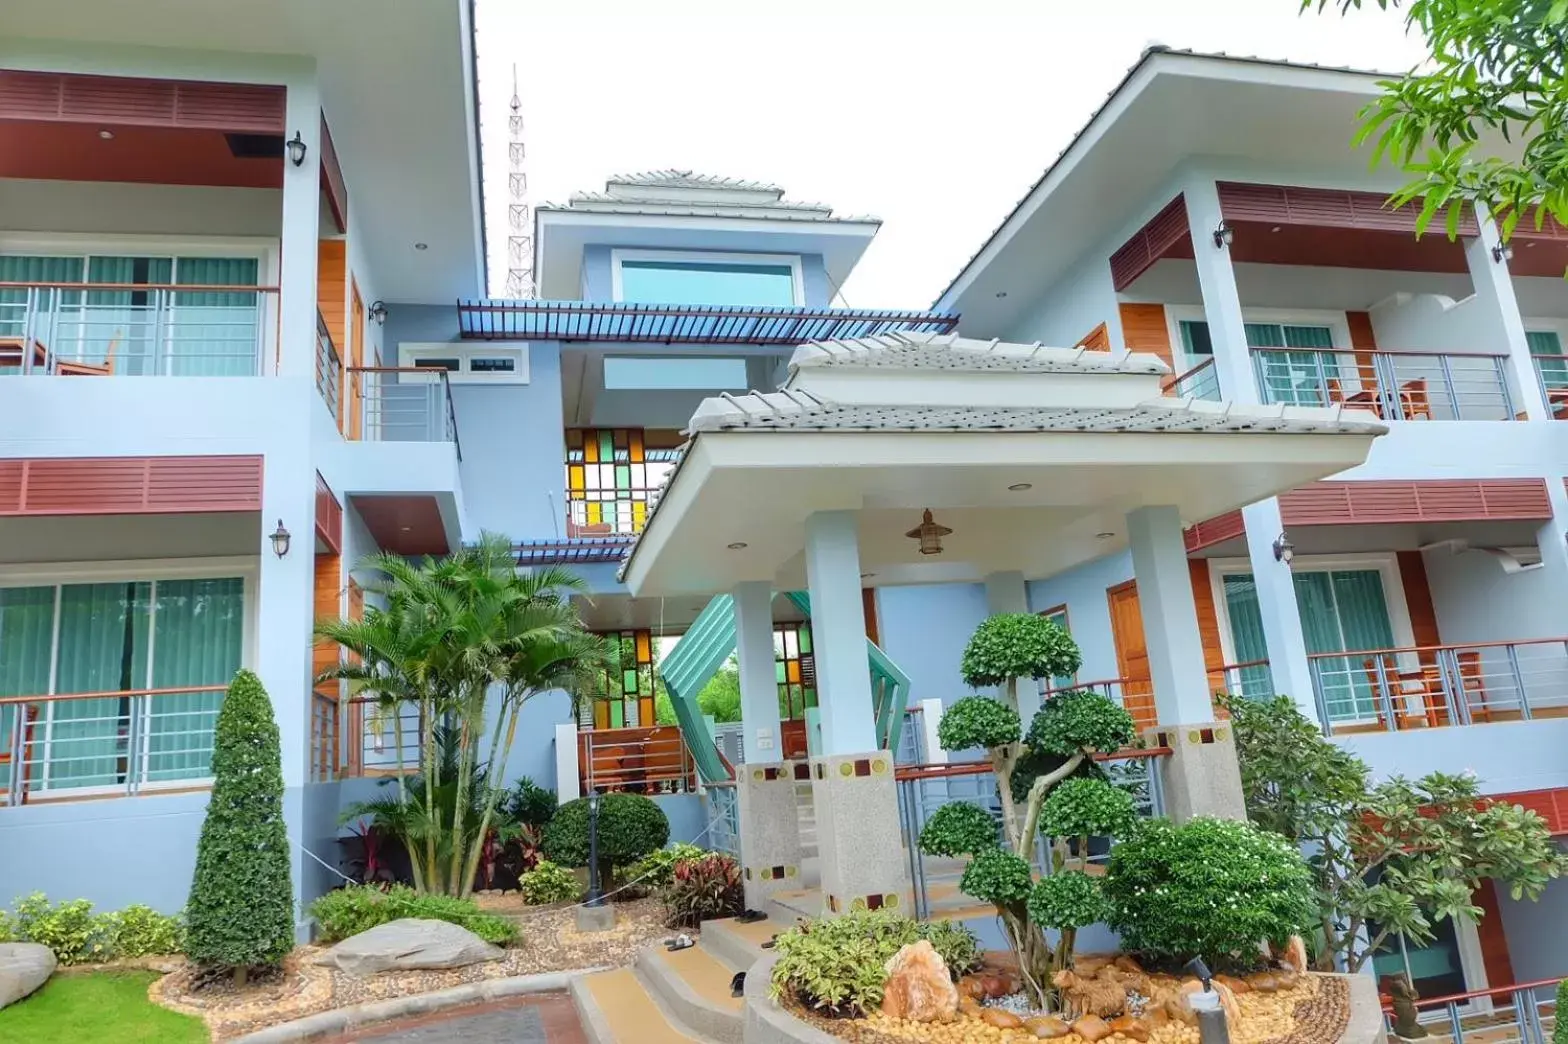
{"x":616,"y":1007}
{"x":694,"y":984}
{"x":738,"y":945}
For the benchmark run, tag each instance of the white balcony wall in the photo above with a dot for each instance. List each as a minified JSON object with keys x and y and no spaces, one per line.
{"x":1066,"y":313}
{"x":119,"y":208}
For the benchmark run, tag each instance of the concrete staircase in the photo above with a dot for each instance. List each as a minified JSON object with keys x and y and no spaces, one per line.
{"x":673,"y":998}
{"x":806,"y":816}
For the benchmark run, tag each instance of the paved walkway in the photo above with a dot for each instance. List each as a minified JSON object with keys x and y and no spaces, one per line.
{"x":547,"y":1019}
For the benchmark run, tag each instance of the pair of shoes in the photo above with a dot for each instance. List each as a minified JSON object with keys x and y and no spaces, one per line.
{"x":680,"y":942}
{"x":750,"y":917}
{"x":770,"y":943}
{"x":738,"y":985}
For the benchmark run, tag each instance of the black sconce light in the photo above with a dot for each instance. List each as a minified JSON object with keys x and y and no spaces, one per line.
{"x":297,"y":149}
{"x":378,"y":312}
{"x":1284,"y":550}
{"x":1502,"y":252}
{"x":1224,"y":235}
{"x":280,"y":540}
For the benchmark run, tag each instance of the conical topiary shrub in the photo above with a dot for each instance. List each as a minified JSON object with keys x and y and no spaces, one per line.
{"x":240,"y":914}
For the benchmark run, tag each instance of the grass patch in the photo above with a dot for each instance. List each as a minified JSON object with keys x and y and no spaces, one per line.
{"x":103,"y":1007}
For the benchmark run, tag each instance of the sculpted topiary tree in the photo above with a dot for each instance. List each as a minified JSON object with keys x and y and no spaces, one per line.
{"x":240,"y":915}
{"x":1046,"y":783}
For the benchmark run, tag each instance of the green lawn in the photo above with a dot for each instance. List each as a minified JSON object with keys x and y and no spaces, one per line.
{"x":103,"y":1008}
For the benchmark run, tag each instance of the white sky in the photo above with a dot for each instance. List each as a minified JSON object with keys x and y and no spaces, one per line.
{"x":935,"y":117}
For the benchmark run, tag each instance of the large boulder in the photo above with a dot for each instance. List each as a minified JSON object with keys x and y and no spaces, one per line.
{"x":23,"y":968}
{"x":409,"y":944}
{"x":919,"y":987}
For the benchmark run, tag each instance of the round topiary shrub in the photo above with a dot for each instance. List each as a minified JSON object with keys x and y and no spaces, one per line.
{"x":1081,"y":721}
{"x":1018,"y":645}
{"x":958,"y":828}
{"x":630,"y":826}
{"x":997,"y":876}
{"x":978,"y":721}
{"x":1210,"y":888}
{"x":1084,"y":807}
{"x":1067,"y":900}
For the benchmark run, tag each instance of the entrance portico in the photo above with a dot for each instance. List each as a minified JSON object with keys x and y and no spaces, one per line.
{"x":1036,"y":459}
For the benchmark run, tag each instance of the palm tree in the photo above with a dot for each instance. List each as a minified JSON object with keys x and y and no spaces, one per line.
{"x":457,"y":637}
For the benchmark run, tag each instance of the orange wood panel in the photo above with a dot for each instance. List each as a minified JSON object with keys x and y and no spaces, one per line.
{"x":1415,"y":500}
{"x":327,"y":605}
{"x":356,"y":357}
{"x":125,"y":101}
{"x":332,"y":298}
{"x":1493,"y":935}
{"x":868,"y":598}
{"x":1423,"y":624}
{"x":353,"y":747}
{"x":1132,"y":652}
{"x":1144,"y":330}
{"x":1208,"y":623}
{"x":1362,"y":336}
{"x":792,"y":739}
{"x":1096,"y":340}
{"x":129,"y":485}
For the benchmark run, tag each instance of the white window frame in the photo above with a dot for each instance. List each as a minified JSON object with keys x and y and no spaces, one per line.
{"x":1337,"y":323}
{"x":59,"y":575}
{"x":409,"y":353}
{"x":619,"y":254}
{"x":1385,"y":562}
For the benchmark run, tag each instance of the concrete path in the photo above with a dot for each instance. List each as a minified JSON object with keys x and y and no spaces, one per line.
{"x":525,"y":1020}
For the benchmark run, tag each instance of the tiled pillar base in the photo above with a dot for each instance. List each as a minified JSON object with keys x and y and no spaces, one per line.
{"x":769,"y":828}
{"x":1201,"y":776}
{"x":859,"y":837}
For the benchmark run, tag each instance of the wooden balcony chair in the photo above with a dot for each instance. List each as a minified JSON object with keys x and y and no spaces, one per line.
{"x":587,"y":529}
{"x":13,"y":350}
{"x":1414,"y":401}
{"x":1404,"y":688}
{"x":86,"y":369}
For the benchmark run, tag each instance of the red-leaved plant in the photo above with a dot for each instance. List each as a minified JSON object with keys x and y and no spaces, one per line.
{"x":702,"y":889}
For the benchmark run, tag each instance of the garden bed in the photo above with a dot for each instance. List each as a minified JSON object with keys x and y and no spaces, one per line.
{"x":549,"y":941}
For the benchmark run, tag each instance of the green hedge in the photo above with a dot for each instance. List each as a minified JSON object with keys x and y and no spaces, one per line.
{"x":79,"y":936}
{"x":358,"y":908}
{"x":630,"y":827}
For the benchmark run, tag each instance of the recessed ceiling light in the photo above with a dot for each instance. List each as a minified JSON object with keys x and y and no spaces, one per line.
{"x":1104,"y":536}
{"x":421,"y":246}
{"x":1001,"y":294}
{"x":1019,"y":487}
{"x":1274,"y":229}
{"x":407,"y":529}
{"x":867,"y":576}
{"x":106,"y":135}
{"x":739,"y":545}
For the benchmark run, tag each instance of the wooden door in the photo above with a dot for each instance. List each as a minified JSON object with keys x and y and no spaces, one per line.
{"x":1132,"y":653}
{"x":356,"y":358}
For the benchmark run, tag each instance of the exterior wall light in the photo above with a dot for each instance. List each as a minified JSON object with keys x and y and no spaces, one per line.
{"x":929,"y":534}
{"x":1284,"y":550}
{"x":1224,"y":235}
{"x":281,"y":538}
{"x":378,"y":312}
{"x":1502,"y":252}
{"x":297,"y":149}
{"x":738,"y":545}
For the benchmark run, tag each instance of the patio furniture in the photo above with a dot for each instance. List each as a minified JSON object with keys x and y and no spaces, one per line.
{"x":77,"y":368}
{"x":1421,"y":687}
{"x":13,"y":352}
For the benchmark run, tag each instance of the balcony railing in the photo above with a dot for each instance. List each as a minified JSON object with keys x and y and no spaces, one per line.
{"x":1421,"y":687}
{"x":1552,"y":373}
{"x":642,"y":760}
{"x":1200,"y":382}
{"x":1134,"y":695}
{"x":106,"y":744}
{"x":325,"y":751}
{"x":1519,"y":1013}
{"x":404,"y":404}
{"x":329,"y":370}
{"x":133,"y":329}
{"x":1393,"y":385}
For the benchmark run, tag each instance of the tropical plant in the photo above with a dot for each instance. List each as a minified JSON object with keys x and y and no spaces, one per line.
{"x":1560,"y":1026}
{"x":528,"y":804}
{"x":353,"y":909}
{"x":630,"y":827}
{"x":240,"y":914}
{"x":1209,"y":888}
{"x":68,"y":928}
{"x":465,"y":640}
{"x":1386,"y":859}
{"x":655,"y":869}
{"x":141,"y":931}
{"x":548,"y":883}
{"x":839,"y":967}
{"x":1496,"y":71}
{"x":702,"y":889}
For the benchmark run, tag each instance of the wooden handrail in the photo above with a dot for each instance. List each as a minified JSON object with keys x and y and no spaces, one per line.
{"x":1204,"y":365}
{"x":110,"y":693}
{"x":1076,"y":686}
{"x":1455,"y":998}
{"x":1238,"y":666}
{"x":1456,"y":647}
{"x":193,"y":288}
{"x":939,"y":770}
{"x":1382,"y":351}
{"x":432,"y":370}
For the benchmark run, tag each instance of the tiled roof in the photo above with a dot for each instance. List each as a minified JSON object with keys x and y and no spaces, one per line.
{"x":671,"y":178}
{"x":682,"y":324}
{"x":947,"y":351}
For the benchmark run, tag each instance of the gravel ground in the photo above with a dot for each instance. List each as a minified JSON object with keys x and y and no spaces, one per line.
{"x":549,"y":942}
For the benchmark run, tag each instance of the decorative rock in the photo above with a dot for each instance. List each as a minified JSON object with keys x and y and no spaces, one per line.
{"x":408,"y":944}
{"x":1047,"y":1027}
{"x":919,"y":987}
{"x":967,"y":1005}
{"x":1295,"y":955}
{"x":1263,"y":982}
{"x":969,"y":986}
{"x":1092,"y":1028}
{"x":1128,"y":964}
{"x":1082,"y":995}
{"x":1002,"y":1020}
{"x":23,"y":968}
{"x":1131,"y":1027}
{"x":1182,"y":1007}
{"x":1089,"y":965}
{"x":1237,"y":986}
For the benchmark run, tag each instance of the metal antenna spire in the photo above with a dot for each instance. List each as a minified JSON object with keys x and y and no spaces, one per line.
{"x":520,"y":241}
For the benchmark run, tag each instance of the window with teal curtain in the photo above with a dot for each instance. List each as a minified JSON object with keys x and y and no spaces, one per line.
{"x":1246,"y":635}
{"x":23,"y":268}
{"x":214,"y":334}
{"x":26,"y":640}
{"x":118,"y":328}
{"x":1294,"y":378}
{"x":198,"y":634}
{"x":1195,"y":342}
{"x":1554,"y":371}
{"x":103,"y":648}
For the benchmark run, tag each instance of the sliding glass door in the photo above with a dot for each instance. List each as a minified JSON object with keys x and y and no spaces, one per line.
{"x":120,"y":640}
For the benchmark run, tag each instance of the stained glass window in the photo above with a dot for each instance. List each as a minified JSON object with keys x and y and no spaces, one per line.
{"x":611,"y":478}
{"x":624,"y":696}
{"x":796,"y":668}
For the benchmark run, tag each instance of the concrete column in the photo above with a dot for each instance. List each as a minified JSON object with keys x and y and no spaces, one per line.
{"x":1282,"y":633}
{"x":300,"y":231}
{"x":1170,"y":617}
{"x":284,"y":607}
{"x":1008,"y":593}
{"x":759,"y":690}
{"x":1494,"y":291}
{"x":930,"y":718}
{"x":838,"y":632}
{"x":568,"y":770}
{"x":768,"y":818}
{"x":1552,"y":537}
{"x":1221,"y":299}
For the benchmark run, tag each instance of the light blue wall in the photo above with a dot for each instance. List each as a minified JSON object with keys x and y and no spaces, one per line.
{"x":597,"y":283}
{"x":924,"y":630}
{"x":1535,"y":933}
{"x":688,"y":818}
{"x":1082,"y":590}
{"x":512,"y":435}
{"x":533,"y":751}
{"x":817,"y":286}
{"x":319,"y":835}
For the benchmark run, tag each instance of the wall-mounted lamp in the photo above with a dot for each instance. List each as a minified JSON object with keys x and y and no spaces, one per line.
{"x":1284,"y":550}
{"x":297,"y":149}
{"x":1224,"y":235}
{"x":378,"y":312}
{"x":1502,"y":252}
{"x":280,"y":540}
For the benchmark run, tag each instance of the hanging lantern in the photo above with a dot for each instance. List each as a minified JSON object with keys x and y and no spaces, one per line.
{"x":929,"y":534}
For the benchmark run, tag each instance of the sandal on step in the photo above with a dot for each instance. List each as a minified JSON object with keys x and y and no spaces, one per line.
{"x":750,"y":917}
